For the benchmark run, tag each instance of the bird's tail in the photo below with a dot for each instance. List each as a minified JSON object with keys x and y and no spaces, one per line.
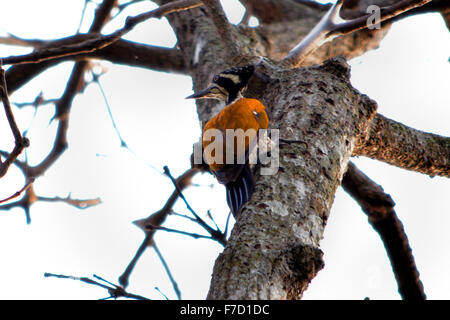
{"x":240,"y":190}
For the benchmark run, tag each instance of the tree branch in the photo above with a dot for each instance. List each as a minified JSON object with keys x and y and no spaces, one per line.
{"x":78,"y":203}
{"x":30,"y":197}
{"x":97,"y":42}
{"x":223,"y":27}
{"x":20,"y":142}
{"x":169,"y":273}
{"x":28,"y":184}
{"x":146,"y":56}
{"x":64,"y":104}
{"x":331,"y":26}
{"x":156,"y":219}
{"x":215,"y":233}
{"x":114,"y":290}
{"x":408,"y":148}
{"x":379,"y":207}
{"x":62,"y":113}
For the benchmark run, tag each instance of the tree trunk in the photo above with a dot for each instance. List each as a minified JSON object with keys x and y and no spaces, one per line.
{"x":273,"y":251}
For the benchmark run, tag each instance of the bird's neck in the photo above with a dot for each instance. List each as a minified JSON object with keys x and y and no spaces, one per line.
{"x":234,"y":96}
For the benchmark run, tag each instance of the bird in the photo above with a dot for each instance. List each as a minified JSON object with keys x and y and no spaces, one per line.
{"x":247,"y":114}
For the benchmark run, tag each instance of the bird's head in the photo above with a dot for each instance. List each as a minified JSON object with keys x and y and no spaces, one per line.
{"x":227,"y":85}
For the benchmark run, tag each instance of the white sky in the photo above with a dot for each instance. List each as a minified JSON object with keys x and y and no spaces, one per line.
{"x":407,"y":76}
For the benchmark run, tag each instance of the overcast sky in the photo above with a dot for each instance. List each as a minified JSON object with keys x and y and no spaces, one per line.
{"x":408,"y":76}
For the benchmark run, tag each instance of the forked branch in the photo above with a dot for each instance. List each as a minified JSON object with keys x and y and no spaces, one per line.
{"x":114,"y":290}
{"x":223,"y":27}
{"x":156,"y":219}
{"x":332,"y":25}
{"x":98,"y":41}
{"x":20,"y":141}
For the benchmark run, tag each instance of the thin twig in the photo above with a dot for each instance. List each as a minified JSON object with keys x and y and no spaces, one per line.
{"x":98,"y":42}
{"x":83,"y":12}
{"x":185,"y":233}
{"x":183,"y":216}
{"x":18,"y":193}
{"x":63,"y":106}
{"x":114,"y":290}
{"x":39,"y":101}
{"x":162,"y":293}
{"x":14,"y":40}
{"x":123,"y":6}
{"x":227,"y":223}
{"x":78,"y":203}
{"x":156,"y":219}
{"x":215,"y":234}
{"x":210,"y":216}
{"x":20,"y":142}
{"x":169,"y":273}
{"x":123,"y":144}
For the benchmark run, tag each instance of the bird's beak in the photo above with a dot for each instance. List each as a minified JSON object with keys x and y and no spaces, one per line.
{"x":206,"y":93}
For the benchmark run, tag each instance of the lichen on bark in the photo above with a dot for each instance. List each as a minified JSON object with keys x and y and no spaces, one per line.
{"x":288,"y":211}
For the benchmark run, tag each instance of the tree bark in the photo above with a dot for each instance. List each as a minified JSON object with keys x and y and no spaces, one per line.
{"x":273,"y":251}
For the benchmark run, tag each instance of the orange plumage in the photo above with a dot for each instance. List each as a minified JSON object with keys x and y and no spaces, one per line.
{"x":250,"y":116}
{"x":228,"y":156}
{"x":243,"y":114}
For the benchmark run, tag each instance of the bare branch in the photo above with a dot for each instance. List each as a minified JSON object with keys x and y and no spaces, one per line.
{"x":78,"y":203}
{"x":13,"y":40}
{"x":31,"y":197}
{"x":38,"y":101}
{"x":331,"y":26}
{"x":23,"y":166}
{"x":18,"y":193}
{"x":146,"y":56}
{"x":408,"y":148}
{"x":97,"y":42}
{"x":223,"y":27}
{"x":157,"y":58}
{"x":62,"y":113}
{"x":215,"y":233}
{"x":156,"y":219}
{"x":169,"y":273}
{"x":441,"y":6}
{"x":123,"y":144}
{"x":115,"y":291}
{"x":185,"y":233}
{"x":379,"y":207}
{"x":20,"y":142}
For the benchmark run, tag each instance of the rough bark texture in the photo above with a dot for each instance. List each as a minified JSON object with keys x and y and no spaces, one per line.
{"x":394,"y":143}
{"x":273,"y":251}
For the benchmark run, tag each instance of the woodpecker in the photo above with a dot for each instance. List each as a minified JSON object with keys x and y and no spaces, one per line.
{"x":239,"y":113}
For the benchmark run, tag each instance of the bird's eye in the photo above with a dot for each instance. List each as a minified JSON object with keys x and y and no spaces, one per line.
{"x":216,"y":78}
{"x":256,"y":114}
